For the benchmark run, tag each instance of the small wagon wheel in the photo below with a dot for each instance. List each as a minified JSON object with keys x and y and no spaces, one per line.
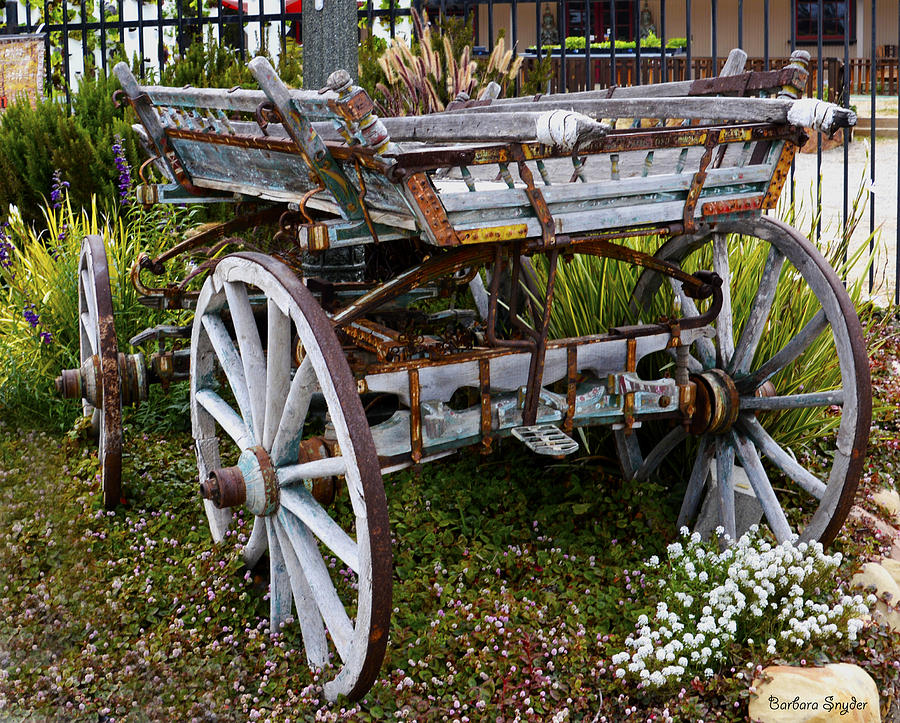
{"x":745,"y":392}
{"x":316,"y":495}
{"x":100,"y":385}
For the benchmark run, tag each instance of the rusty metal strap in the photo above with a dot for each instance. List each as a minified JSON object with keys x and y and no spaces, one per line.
{"x":690,"y":203}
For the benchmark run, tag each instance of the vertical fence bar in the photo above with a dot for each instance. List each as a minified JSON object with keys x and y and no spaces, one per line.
{"x":121,"y":9}
{"x":872,"y":114}
{"x":514,"y":31}
{"x":282,"y":22}
{"x":48,"y":78}
{"x":102,"y":10}
{"x":140,"y":31}
{"x":613,"y":79}
{"x":793,"y":21}
{"x":160,"y":40}
{"x":179,"y":28}
{"x":636,"y":19}
{"x":714,"y":13}
{"x":845,"y":95}
{"x":84,"y":30}
{"x":588,"y":38}
{"x":393,"y":22}
{"x":687,"y":30}
{"x":820,"y":30}
{"x":766,"y":35}
{"x":28,"y":23}
{"x":538,"y":24}
{"x":240,"y":10}
{"x":663,"y":69}
{"x":562,"y":32}
{"x":65,"y":54}
{"x":740,"y":27}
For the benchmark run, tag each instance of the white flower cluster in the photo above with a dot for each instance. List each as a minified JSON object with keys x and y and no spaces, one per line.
{"x":753,"y":590}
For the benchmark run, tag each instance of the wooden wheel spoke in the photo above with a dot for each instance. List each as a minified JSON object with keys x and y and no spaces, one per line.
{"x":299,"y":502}
{"x":311,"y":625}
{"x":279,"y":581}
{"x":787,"y":354}
{"x":780,"y":457}
{"x":290,"y":428}
{"x":231,"y":364}
{"x":90,"y":331}
{"x":252,"y":356}
{"x":705,"y":349}
{"x":278,"y":369}
{"x":834,"y":397}
{"x":759,"y":313}
{"x":696,"y":483}
{"x":725,"y":486}
{"x":325,"y":467}
{"x":225,"y":417}
{"x":256,"y":543}
{"x":759,"y":480}
{"x":326,"y":598}
{"x":659,"y":453}
{"x":725,"y":320}
{"x":87,"y":286}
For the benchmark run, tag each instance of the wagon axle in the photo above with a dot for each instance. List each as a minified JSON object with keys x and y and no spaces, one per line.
{"x":135,"y":376}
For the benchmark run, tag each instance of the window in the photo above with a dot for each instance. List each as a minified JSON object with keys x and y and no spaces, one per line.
{"x":836,"y":20}
{"x":601,"y":19}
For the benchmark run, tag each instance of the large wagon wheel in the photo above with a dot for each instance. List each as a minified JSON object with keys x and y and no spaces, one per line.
{"x":743,"y":392}
{"x":99,"y":373}
{"x":329,"y":549}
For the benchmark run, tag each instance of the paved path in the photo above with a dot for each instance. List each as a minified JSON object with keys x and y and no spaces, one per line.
{"x":884,"y":197}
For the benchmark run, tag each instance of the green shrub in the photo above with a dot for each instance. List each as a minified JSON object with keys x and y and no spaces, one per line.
{"x":35,"y":142}
{"x":209,"y":64}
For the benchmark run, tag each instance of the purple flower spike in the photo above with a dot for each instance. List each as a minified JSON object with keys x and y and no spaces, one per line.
{"x":123,"y":168}
{"x":58,"y":189}
{"x":31,"y":316}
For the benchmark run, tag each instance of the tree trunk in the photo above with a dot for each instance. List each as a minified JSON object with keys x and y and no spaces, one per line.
{"x":330,"y":41}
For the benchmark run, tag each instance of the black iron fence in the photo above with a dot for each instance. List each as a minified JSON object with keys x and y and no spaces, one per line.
{"x":591,"y":43}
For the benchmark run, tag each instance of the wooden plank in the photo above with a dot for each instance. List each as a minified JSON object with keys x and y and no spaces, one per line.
{"x":575,"y":192}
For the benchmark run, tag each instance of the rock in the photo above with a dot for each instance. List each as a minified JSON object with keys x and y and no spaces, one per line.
{"x":885,"y":587}
{"x":836,"y":692}
{"x":890,"y":500}
{"x":893,"y":567}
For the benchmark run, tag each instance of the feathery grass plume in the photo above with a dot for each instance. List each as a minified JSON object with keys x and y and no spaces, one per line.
{"x":425,"y":76}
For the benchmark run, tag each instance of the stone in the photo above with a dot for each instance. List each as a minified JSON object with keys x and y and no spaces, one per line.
{"x":893,"y":567}
{"x":835,"y":692}
{"x":875,"y":578}
{"x":890,"y":500}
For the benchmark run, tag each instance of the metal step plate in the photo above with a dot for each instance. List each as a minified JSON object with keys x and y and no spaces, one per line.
{"x":546,"y":439}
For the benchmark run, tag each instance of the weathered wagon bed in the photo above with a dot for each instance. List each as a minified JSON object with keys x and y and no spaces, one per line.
{"x":321,"y":383}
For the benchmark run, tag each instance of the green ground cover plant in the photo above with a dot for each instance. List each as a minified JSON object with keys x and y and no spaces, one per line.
{"x":512,"y":597}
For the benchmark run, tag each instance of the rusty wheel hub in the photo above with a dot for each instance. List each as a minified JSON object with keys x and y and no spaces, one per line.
{"x":717,"y":404}
{"x":252,"y":483}
{"x":86,"y":381}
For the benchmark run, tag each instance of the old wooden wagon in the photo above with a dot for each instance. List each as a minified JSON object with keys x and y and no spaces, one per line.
{"x":313,"y":374}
